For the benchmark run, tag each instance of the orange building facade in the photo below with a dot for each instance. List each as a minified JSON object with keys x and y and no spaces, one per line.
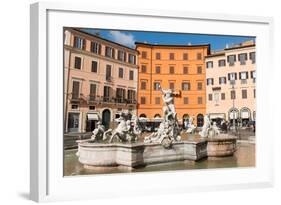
{"x":178,"y":67}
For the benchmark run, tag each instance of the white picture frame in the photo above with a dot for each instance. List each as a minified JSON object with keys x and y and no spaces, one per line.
{"x":46,"y":177}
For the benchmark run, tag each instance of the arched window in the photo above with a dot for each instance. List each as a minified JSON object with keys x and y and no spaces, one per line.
{"x":200,"y":120}
{"x":185,"y":117}
{"x":143,"y":115}
{"x":233,"y":113}
{"x":157,"y":116}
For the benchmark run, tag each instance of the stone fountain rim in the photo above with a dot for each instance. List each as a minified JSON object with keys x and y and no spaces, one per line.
{"x":138,"y":144}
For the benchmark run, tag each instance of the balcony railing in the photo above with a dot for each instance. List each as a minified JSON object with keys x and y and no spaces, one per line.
{"x":75,"y":98}
{"x":96,"y":99}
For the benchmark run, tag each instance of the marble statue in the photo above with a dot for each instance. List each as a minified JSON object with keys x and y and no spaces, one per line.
{"x":98,"y":132}
{"x":213,"y":130}
{"x":206,"y":126}
{"x":169,"y":130}
{"x":126,"y":131}
{"x":190,"y":126}
{"x":209,"y":130}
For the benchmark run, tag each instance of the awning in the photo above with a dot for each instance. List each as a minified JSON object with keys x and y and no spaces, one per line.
{"x":217,"y":115}
{"x":93,"y":116}
{"x":143,"y":119}
{"x":157,"y":119}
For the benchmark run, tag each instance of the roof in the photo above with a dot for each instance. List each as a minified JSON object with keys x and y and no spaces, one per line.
{"x":222,"y":52}
{"x":175,"y":45}
{"x":95,"y":36}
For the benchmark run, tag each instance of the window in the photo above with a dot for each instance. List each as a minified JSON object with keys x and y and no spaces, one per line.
{"x":253,"y":76}
{"x":108,"y":72}
{"x":216,"y":97}
{"x":199,"y":69}
{"x":199,"y":86}
{"x":232,"y":95}
{"x":185,"y":86}
{"x":199,"y":56}
{"x":109,"y":52}
{"x":143,"y":85}
{"x":209,"y":64}
{"x":121,"y":56}
{"x":157,"y":100}
{"x":243,"y":76}
{"x":242,"y":57}
{"x":185,"y":56}
{"x":143,"y":68}
{"x":172,"y":85}
{"x":253,"y":57}
{"x":77,"y":62}
{"x":158,"y":56}
{"x":143,"y":100}
{"x":222,"y":80}
{"x":185,"y":100}
{"x":106,"y":93}
{"x":231,"y":60}
{"x":120,"y":95}
{"x":185,"y":70}
{"x":232,"y":76}
{"x":210,"y":81}
{"x":94,"y":66}
{"x":254,"y":93}
{"x":144,"y":54}
{"x":95,"y":48}
{"x":172,"y":56}
{"x":75,"y":89}
{"x":74,"y":107}
{"x":199,"y":100}
{"x":79,"y":43}
{"x":244,"y":94}
{"x":221,"y":63}
{"x":210,"y":97}
{"x":132,"y":59}
{"x":93,"y":91}
{"x":92,"y":107}
{"x":131,"y":75}
{"x":222,"y":96}
{"x":156,"y":85}
{"x":131,"y":96}
{"x":172,"y":69}
{"x":157,"y":69}
{"x":121,"y":73}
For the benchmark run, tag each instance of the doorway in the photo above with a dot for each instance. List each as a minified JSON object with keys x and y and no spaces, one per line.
{"x":73,"y":122}
{"x":106,"y":116}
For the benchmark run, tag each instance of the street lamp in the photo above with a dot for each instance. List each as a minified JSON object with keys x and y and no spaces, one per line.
{"x":232,"y":82}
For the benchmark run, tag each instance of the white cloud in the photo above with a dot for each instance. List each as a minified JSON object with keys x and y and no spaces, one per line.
{"x":123,"y":38}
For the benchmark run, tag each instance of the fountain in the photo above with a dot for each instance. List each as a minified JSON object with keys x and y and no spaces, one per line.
{"x":122,"y":145}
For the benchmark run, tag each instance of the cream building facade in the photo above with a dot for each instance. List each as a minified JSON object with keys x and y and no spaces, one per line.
{"x":100,"y":81}
{"x":230,"y":84}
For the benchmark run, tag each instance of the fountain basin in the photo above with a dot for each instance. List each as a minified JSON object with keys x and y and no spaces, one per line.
{"x":221,"y":146}
{"x":139,"y":154}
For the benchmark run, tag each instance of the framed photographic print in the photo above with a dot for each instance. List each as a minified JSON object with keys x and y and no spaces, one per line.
{"x":128,"y":102}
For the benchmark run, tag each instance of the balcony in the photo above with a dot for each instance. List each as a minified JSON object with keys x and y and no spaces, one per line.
{"x":76,"y":98}
{"x":93,"y":99}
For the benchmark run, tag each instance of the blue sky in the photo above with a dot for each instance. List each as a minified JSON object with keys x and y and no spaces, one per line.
{"x":128,"y":38}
